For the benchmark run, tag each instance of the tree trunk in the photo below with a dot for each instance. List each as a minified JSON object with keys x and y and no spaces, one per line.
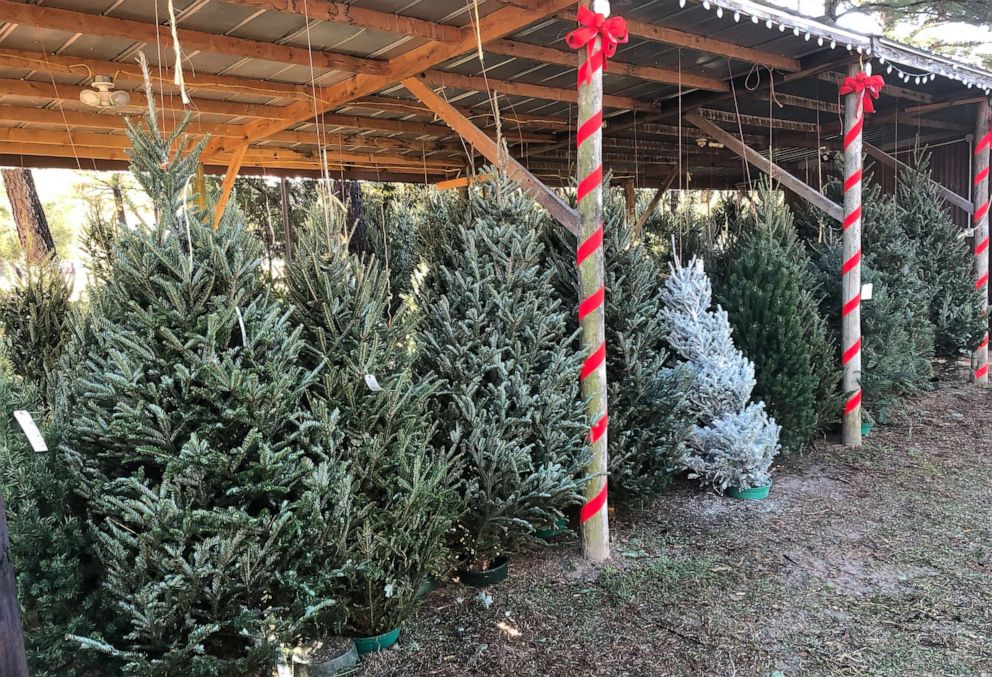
{"x":287,"y":231}
{"x":118,"y":192}
{"x":350,"y":193}
{"x":29,"y":217}
{"x":13,"y":662}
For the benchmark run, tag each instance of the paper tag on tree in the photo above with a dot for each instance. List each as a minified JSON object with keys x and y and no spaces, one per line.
{"x":866,"y":291}
{"x":373,"y":383}
{"x":31,"y":430}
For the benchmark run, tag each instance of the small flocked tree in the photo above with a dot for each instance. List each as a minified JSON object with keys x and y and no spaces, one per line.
{"x":496,"y":338}
{"x":402,"y":501}
{"x":207,"y":485}
{"x":769,"y":295}
{"x":735,"y":441}
{"x":650,"y":419}
{"x":945,"y":263}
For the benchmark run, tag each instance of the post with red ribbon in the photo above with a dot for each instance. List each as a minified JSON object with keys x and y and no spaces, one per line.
{"x":983,"y":140}
{"x":596,"y":38}
{"x":859,"y":90}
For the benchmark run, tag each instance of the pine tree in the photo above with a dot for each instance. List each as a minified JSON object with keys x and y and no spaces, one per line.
{"x":768,"y":293}
{"x":36,"y":317}
{"x":495,"y":336}
{"x":735,"y":442}
{"x":402,"y":501}
{"x":649,"y":399}
{"x":944,"y":260}
{"x":209,"y":489}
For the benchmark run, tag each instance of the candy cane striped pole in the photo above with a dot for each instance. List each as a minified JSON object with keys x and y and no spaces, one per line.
{"x":854,"y":118}
{"x":592,"y":317}
{"x":983,"y":139}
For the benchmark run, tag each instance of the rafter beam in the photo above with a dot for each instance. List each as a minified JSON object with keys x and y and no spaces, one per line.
{"x":561,"y":57}
{"x":558,"y":209}
{"x":899,"y":165}
{"x":139,"y":31}
{"x":670,"y":36}
{"x":758,"y":121}
{"x":754,"y":158}
{"x":493,"y":26}
{"x":890,"y":90}
{"x":474,"y":83}
{"x":338,"y":12}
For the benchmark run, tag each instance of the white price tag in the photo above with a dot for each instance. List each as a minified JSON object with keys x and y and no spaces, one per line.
{"x":866,"y":291}
{"x":373,"y":383}
{"x":31,"y":430}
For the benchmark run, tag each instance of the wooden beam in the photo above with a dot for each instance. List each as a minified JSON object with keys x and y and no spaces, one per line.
{"x":660,"y":193}
{"x":798,"y":102}
{"x":558,"y":209}
{"x":811,"y":195}
{"x":493,"y":26}
{"x":228,"y":184}
{"x":561,"y":57}
{"x":473,"y":83}
{"x":83,"y":67}
{"x":670,"y":36}
{"x":895,"y":163}
{"x":462,"y":181}
{"x":350,"y":15}
{"x":411,"y":127}
{"x":758,"y":121}
{"x":139,"y":31}
{"x":891,"y":90}
{"x":944,"y":105}
{"x":48,"y":91}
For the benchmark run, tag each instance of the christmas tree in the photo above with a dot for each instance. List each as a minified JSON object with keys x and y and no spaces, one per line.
{"x":206,"y":482}
{"x":402,"y":500}
{"x":735,"y":442}
{"x":496,"y":338}
{"x":945,"y":262}
{"x":768,"y":294}
{"x":649,"y":399}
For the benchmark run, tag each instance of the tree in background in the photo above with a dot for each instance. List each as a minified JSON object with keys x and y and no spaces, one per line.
{"x":395,"y":213}
{"x":735,"y":441}
{"x":650,"y":419}
{"x":496,"y":337}
{"x":204,"y":479}
{"x":29,"y":216}
{"x":402,"y":502}
{"x":945,"y":263}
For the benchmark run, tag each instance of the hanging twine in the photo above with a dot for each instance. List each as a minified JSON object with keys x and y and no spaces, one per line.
{"x":599,"y":36}
{"x":178,"y":80}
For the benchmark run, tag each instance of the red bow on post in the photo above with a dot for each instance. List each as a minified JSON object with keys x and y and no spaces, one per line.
{"x":612,"y":31}
{"x":870,"y":87}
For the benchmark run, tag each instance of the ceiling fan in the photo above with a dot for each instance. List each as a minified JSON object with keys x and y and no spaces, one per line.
{"x":101,"y":96}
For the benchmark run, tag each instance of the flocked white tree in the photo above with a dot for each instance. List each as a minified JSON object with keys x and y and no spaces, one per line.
{"x":735,"y":442}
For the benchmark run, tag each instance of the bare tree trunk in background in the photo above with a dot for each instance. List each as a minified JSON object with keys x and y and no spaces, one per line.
{"x":29,"y":217}
{"x":13,"y":662}
{"x":118,"y":193}
{"x":350,"y":194}
{"x":287,"y":231}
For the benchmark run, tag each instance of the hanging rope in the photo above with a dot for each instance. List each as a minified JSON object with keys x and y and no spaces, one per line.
{"x":178,"y":79}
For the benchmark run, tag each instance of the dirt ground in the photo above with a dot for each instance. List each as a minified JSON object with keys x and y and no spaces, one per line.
{"x":873,"y":561}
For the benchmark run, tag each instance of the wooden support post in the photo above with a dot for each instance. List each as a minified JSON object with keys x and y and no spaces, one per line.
{"x":630,"y":199}
{"x":561,"y":212}
{"x":229,"y":177}
{"x":13,"y":662}
{"x":287,"y":232}
{"x":200,"y":188}
{"x":756,"y":159}
{"x":983,"y":139}
{"x":659,"y":194}
{"x":851,"y":267}
{"x":594,"y":515}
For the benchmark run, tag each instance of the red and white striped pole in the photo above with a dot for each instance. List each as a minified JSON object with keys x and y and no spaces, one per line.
{"x":859,"y":89}
{"x":983,"y":139}
{"x":596,"y":37}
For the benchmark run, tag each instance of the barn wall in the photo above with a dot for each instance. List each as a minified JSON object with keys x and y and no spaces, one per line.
{"x":950,"y":166}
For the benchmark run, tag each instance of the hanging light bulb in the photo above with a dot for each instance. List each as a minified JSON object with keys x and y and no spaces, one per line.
{"x":754,"y":19}
{"x":706,"y":5}
{"x":833,"y":44}
{"x":737,"y":16}
{"x":795,"y":31}
{"x":918,"y":81}
{"x":682,"y":4}
{"x":820,"y":41}
{"x":768,"y":24}
{"x":889,"y":69}
{"x":719,"y":12}
{"x":808,"y":36}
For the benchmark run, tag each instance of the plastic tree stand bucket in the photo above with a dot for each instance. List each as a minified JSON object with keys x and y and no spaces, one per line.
{"x":866,"y":427}
{"x":427,"y":587}
{"x":367,"y":645}
{"x":754,"y":494}
{"x":491,"y":576}
{"x":560,"y":527}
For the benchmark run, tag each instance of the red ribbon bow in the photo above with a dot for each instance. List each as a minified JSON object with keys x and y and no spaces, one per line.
{"x":869,"y":86}
{"x":612,"y":31}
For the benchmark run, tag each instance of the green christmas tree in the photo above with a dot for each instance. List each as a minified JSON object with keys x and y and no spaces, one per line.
{"x":768,"y":295}
{"x":650,"y":417}
{"x":945,"y":263}
{"x":402,"y":501}
{"x":209,"y":488}
{"x":496,"y":338}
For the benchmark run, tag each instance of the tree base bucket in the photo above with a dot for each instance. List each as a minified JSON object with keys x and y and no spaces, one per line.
{"x":491,"y":576}
{"x":560,"y":527}
{"x":866,"y":428}
{"x":753,"y":494}
{"x":331,"y":657}
{"x":367,"y":645}
{"x":427,"y":587}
